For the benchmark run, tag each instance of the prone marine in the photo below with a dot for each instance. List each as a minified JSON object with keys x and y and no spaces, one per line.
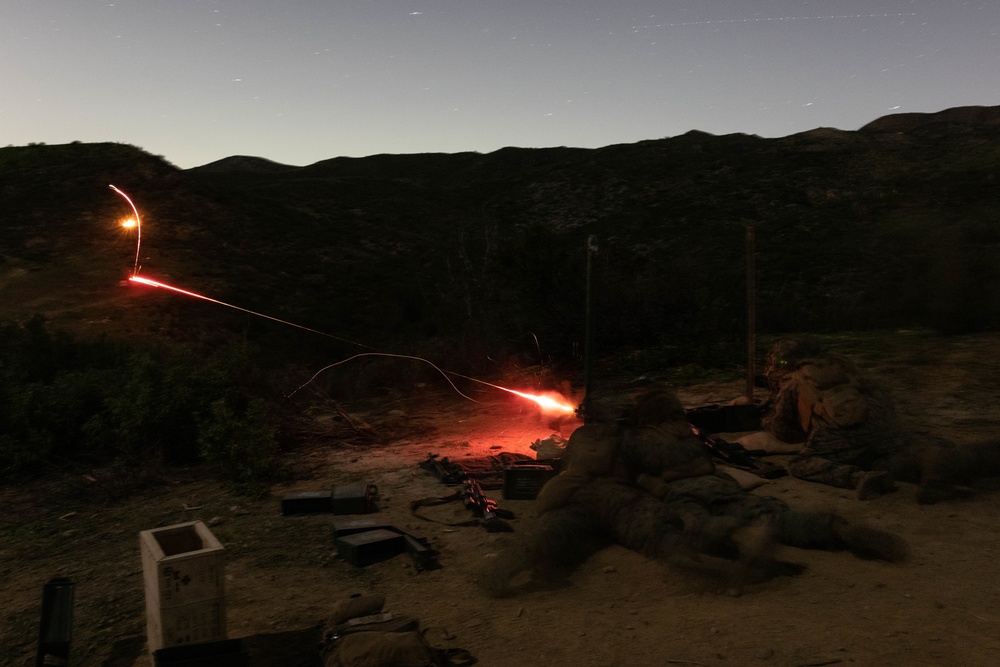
{"x":636,"y":475}
{"x":850,"y":432}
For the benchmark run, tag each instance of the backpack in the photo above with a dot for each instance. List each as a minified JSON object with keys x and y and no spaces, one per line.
{"x":828,"y":393}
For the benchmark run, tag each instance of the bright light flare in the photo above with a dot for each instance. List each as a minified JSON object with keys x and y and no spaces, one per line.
{"x":551,"y":403}
{"x":153,"y":283}
{"x":130,"y":223}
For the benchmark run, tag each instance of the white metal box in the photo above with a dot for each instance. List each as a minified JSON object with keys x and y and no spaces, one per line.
{"x":184,"y":578}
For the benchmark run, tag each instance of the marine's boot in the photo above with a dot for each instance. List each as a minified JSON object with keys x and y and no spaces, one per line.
{"x":947,"y":468}
{"x":825,"y":530}
{"x":871,"y":484}
{"x":757,"y":541}
{"x":933,"y":491}
{"x":869,"y":542}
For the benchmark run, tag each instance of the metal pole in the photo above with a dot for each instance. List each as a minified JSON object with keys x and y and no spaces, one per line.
{"x":588,"y":341}
{"x":751,"y":313}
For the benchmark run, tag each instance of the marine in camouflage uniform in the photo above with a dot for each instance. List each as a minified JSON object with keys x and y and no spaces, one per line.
{"x":644,"y":481}
{"x":849,"y":428}
{"x":715,"y":509}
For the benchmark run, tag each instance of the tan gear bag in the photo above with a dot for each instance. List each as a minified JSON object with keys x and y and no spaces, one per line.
{"x":842,"y":405}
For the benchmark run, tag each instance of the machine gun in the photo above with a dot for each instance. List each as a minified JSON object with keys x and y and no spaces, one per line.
{"x":485,"y":508}
{"x":738,"y":456}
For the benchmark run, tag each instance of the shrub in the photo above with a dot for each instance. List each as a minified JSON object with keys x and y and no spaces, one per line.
{"x":241,"y":444}
{"x":67,"y":401}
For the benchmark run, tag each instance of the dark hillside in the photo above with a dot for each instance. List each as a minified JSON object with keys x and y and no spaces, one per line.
{"x":484,"y":256}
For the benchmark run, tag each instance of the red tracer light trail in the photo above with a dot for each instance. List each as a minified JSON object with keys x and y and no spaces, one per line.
{"x":549,"y":403}
{"x":153,"y":283}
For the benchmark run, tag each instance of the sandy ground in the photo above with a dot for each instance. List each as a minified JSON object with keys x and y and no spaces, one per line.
{"x":283,"y":576}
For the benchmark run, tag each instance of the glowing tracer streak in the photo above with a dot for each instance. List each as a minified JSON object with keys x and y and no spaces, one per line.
{"x":382,"y":354}
{"x":153,"y":283}
{"x":138,"y":229}
{"x":547,"y":402}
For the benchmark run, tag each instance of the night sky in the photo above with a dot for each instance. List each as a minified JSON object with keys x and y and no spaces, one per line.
{"x":298,"y":81}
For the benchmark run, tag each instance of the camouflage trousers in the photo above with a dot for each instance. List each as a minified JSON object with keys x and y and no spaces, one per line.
{"x":834,"y":455}
{"x":700,"y":516}
{"x":716,"y":506}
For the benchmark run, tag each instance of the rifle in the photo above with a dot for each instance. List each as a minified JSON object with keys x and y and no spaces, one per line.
{"x":443,"y":469}
{"x":485,"y":508}
{"x":471,"y":494}
{"x":738,"y":456}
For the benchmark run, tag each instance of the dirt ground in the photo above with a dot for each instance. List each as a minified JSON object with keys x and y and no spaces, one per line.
{"x":283,"y":576}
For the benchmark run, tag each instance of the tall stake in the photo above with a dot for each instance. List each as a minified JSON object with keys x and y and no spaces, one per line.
{"x":751,"y":312}
{"x":588,"y":341}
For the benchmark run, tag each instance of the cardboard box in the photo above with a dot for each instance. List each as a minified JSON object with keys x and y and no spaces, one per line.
{"x":186,"y":624}
{"x":184,"y":578}
{"x":221,"y":653}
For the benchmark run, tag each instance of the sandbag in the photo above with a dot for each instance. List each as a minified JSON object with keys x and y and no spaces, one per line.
{"x":355,"y":606}
{"x":381,"y":649}
{"x":591,"y":449}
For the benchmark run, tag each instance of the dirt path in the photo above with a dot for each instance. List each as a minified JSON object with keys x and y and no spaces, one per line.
{"x":942,"y":607}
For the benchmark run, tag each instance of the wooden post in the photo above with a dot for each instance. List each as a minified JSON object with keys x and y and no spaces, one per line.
{"x":588,"y":341}
{"x":751,"y":313}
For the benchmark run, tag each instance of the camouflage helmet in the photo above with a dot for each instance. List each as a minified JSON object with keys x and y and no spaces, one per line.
{"x":650,"y":405}
{"x":659,"y":405}
{"x":787,"y":353}
{"x":606,"y":408}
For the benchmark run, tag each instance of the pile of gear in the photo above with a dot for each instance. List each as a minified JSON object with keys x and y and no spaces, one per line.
{"x":361,"y":633}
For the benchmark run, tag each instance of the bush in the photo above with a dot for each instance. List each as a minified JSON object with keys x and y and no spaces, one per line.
{"x":240,"y":444}
{"x":74,"y":402}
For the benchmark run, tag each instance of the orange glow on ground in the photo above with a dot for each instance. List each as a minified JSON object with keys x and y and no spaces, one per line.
{"x":485,"y":429}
